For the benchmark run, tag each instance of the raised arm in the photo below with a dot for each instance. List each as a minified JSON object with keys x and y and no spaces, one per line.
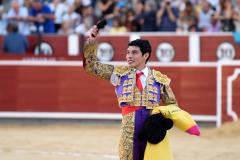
{"x":90,"y":63}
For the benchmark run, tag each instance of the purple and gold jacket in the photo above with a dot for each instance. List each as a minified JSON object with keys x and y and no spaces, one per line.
{"x":157,"y":88}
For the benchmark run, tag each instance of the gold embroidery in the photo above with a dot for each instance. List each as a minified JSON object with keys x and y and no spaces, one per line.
{"x":130,"y":81}
{"x":168,"y":96}
{"x":92,"y":66}
{"x":149,"y":96}
{"x":126,"y":137}
{"x":124,"y":90}
{"x":161,"y":78}
{"x":150,"y":81}
{"x":121,"y":70}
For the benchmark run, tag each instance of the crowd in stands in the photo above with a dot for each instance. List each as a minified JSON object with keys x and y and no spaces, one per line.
{"x":77,"y":16}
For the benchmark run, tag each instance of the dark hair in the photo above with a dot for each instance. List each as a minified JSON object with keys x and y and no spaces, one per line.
{"x":12,"y":27}
{"x":144,"y":46}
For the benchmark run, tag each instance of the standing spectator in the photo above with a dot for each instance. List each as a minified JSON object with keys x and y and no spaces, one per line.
{"x":88,"y":21}
{"x":188,"y":19}
{"x":167,"y":17}
{"x":71,"y":19}
{"x":59,"y":9}
{"x":28,"y":4}
{"x":78,"y":6}
{"x":135,"y":17}
{"x":205,"y":16}
{"x":214,"y":4}
{"x":42,"y":16}
{"x":129,"y":20}
{"x":215,"y":24}
{"x":70,"y":2}
{"x":14,"y":42}
{"x":2,"y":21}
{"x":107,"y":9}
{"x":225,"y":15}
{"x":19,"y":15}
{"x":149,"y":16}
{"x":236,"y":16}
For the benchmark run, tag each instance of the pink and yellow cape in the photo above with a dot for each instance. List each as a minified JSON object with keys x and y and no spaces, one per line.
{"x":182,"y":120}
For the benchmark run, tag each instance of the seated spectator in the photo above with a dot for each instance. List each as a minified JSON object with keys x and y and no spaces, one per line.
{"x":14,"y":42}
{"x":117,"y":26}
{"x":19,"y":15}
{"x":42,"y":17}
{"x":167,"y":17}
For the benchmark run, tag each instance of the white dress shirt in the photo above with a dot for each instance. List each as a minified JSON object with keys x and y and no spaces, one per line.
{"x":143,"y":78}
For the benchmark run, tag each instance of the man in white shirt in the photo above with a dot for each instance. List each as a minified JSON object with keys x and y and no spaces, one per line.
{"x":19,"y":14}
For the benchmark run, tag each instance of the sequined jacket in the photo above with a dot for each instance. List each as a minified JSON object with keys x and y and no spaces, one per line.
{"x":157,"y":88}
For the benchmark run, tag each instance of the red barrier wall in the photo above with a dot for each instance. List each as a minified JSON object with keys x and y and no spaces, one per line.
{"x":180,"y":43}
{"x":228,"y":71}
{"x":70,"y":89}
{"x":209,"y":45}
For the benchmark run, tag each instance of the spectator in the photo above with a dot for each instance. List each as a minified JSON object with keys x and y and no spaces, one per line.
{"x":88,"y":21}
{"x":2,"y":21}
{"x":20,"y":44}
{"x":129,"y":20}
{"x":70,"y":2}
{"x":215,"y":24}
{"x":59,"y":9}
{"x":214,"y":4}
{"x":42,"y":16}
{"x":19,"y":15}
{"x":86,"y":3}
{"x":120,"y":9}
{"x":188,"y":19}
{"x":78,"y":7}
{"x":28,"y":4}
{"x":71,"y":19}
{"x":149,"y":17}
{"x":107,"y":9}
{"x":118,"y":26}
{"x":205,"y":16}
{"x":225,"y":16}
{"x":84,"y":27}
{"x":137,"y":21}
{"x":167,"y":17}
{"x":236,"y":16}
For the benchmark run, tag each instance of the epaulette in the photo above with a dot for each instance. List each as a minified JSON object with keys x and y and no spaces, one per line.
{"x":121,"y":70}
{"x":161,"y":78}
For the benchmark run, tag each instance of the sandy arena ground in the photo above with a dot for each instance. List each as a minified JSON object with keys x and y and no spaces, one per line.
{"x":99,"y":142}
